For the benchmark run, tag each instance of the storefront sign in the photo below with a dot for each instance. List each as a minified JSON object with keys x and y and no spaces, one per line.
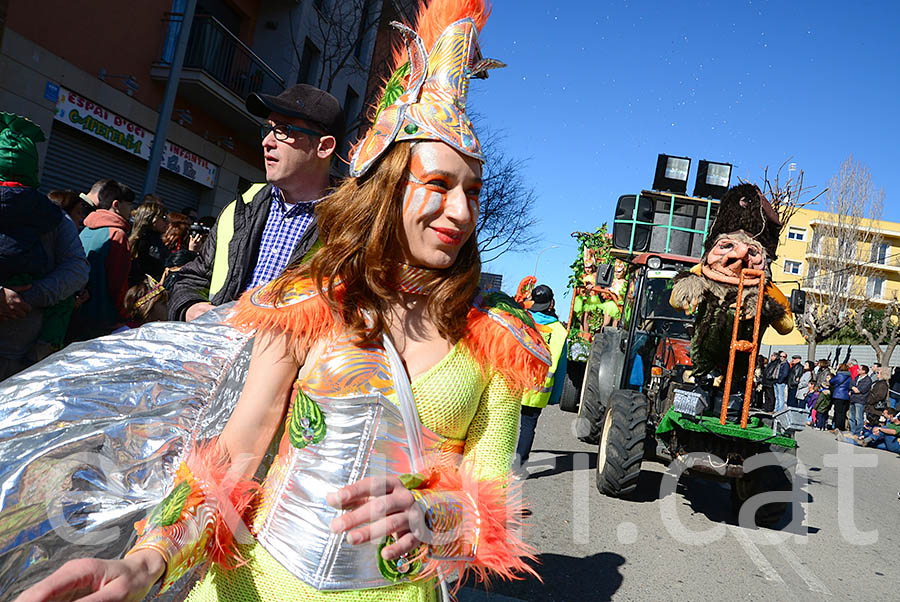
{"x":99,"y":122}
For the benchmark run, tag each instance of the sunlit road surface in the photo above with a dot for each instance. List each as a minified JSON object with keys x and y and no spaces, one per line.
{"x":687,"y":545}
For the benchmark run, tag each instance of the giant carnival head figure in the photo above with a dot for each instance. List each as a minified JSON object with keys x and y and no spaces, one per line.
{"x":744,"y":235}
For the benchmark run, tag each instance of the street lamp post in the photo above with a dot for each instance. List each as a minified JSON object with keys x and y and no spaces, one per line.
{"x":539,"y":257}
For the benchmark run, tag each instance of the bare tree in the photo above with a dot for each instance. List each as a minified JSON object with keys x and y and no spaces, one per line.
{"x":507,"y":222}
{"x":880,"y":328}
{"x":788,"y":196}
{"x":341,"y":31}
{"x":841,"y":254}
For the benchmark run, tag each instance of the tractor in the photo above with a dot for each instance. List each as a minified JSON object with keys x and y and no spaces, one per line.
{"x":631,"y":384}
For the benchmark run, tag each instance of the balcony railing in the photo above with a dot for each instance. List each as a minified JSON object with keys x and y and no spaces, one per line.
{"x":219,"y":53}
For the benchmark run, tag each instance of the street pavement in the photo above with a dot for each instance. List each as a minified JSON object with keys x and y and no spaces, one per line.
{"x":686,"y":545}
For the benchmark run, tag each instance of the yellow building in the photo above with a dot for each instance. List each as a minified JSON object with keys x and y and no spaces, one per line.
{"x":800,"y":256}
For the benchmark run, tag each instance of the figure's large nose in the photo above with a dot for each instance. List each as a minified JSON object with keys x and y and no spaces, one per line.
{"x":738,"y":250}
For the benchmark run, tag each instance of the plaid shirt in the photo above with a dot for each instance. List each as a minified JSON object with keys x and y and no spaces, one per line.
{"x":284,"y":228}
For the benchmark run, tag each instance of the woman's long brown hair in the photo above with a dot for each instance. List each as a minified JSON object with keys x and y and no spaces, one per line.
{"x":360,"y":227}
{"x":143,"y":216}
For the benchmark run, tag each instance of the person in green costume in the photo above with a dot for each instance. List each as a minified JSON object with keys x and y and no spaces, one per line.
{"x":42,"y":263}
{"x":614,"y":296}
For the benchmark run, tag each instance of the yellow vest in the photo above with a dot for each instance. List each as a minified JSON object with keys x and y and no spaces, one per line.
{"x":555,"y":336}
{"x":224,"y":234}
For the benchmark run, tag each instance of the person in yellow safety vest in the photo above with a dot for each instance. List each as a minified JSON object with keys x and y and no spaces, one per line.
{"x":554,"y":333}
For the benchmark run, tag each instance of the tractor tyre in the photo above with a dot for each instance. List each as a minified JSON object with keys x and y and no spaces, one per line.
{"x":761,"y":480}
{"x":568,"y":400}
{"x":621,"y":447}
{"x":601,"y":377}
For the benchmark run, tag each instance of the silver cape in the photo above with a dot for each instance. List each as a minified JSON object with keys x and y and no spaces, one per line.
{"x":90,"y":438}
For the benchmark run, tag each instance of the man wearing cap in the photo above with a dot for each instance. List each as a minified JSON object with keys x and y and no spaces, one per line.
{"x":554,"y":333}
{"x":273,"y":224}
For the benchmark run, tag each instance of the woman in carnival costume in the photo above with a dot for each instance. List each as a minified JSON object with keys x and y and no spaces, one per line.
{"x":381,"y":486}
{"x":614,"y":296}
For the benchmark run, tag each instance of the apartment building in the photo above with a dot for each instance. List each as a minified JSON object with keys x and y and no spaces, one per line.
{"x":805,"y":261}
{"x":93,"y":76}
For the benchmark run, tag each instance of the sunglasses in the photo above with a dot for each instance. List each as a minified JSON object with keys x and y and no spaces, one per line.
{"x":283,"y":131}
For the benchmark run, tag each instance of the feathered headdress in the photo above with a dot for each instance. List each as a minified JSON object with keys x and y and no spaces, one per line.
{"x":425,"y":98}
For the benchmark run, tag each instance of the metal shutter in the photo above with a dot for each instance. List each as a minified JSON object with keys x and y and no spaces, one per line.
{"x":75,"y":160}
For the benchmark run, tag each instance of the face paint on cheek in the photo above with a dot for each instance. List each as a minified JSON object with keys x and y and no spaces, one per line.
{"x":422,"y":200}
{"x":433,"y":203}
{"x":474,"y":208}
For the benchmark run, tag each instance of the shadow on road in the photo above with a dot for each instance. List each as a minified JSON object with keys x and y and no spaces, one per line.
{"x":562,"y":461}
{"x":565,"y":579}
{"x":713,"y":499}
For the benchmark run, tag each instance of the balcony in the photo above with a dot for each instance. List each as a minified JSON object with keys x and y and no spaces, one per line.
{"x":219,"y":72}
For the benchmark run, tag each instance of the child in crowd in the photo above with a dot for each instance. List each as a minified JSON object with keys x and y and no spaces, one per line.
{"x":812,"y":395}
{"x":146,"y":302}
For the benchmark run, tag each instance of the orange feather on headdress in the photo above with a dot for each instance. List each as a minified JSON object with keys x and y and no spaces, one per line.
{"x":432,"y":19}
{"x":423,"y":85}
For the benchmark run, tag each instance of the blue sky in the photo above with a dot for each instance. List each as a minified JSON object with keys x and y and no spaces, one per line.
{"x":595,"y":90}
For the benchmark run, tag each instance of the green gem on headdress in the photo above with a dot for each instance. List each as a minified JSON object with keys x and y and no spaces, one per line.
{"x":411,"y":129}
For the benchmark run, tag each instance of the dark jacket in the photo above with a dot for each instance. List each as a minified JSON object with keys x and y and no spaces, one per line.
{"x":149,"y":259}
{"x":770,"y":375}
{"x":784,"y":371}
{"x":878,"y":397}
{"x":864,"y":385}
{"x":840,"y":385}
{"x":239,"y":229}
{"x":39,"y":247}
{"x":796,"y":373}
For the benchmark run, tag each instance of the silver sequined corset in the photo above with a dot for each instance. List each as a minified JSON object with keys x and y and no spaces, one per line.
{"x":364,"y":435}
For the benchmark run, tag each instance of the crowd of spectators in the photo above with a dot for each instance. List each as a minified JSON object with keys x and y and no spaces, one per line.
{"x":75,"y":266}
{"x":105,"y":263}
{"x":858,"y":403}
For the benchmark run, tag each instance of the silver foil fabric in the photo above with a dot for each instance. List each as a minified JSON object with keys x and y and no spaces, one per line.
{"x":91,"y":436}
{"x":366,"y":436}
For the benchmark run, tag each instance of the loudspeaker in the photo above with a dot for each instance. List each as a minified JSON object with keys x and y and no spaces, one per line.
{"x":622,"y":231}
{"x":606,"y":272}
{"x":798,"y":301}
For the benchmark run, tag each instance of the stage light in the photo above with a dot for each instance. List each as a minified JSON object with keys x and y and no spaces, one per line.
{"x":671,"y":173}
{"x":712,"y":179}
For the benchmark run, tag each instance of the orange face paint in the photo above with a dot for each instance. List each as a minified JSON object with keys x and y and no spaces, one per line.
{"x":426,"y":192}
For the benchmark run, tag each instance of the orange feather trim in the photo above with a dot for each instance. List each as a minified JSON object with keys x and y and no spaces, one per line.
{"x":497,"y":508}
{"x":233,"y":497}
{"x":493,"y":345}
{"x":433,"y":18}
{"x":306,"y":321}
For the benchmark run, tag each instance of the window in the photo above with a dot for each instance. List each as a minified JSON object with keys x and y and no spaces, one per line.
{"x":880,"y":253}
{"x":792,"y":267}
{"x":366,"y":23}
{"x":796,"y":233}
{"x":875,"y":288}
{"x":309,"y":64}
